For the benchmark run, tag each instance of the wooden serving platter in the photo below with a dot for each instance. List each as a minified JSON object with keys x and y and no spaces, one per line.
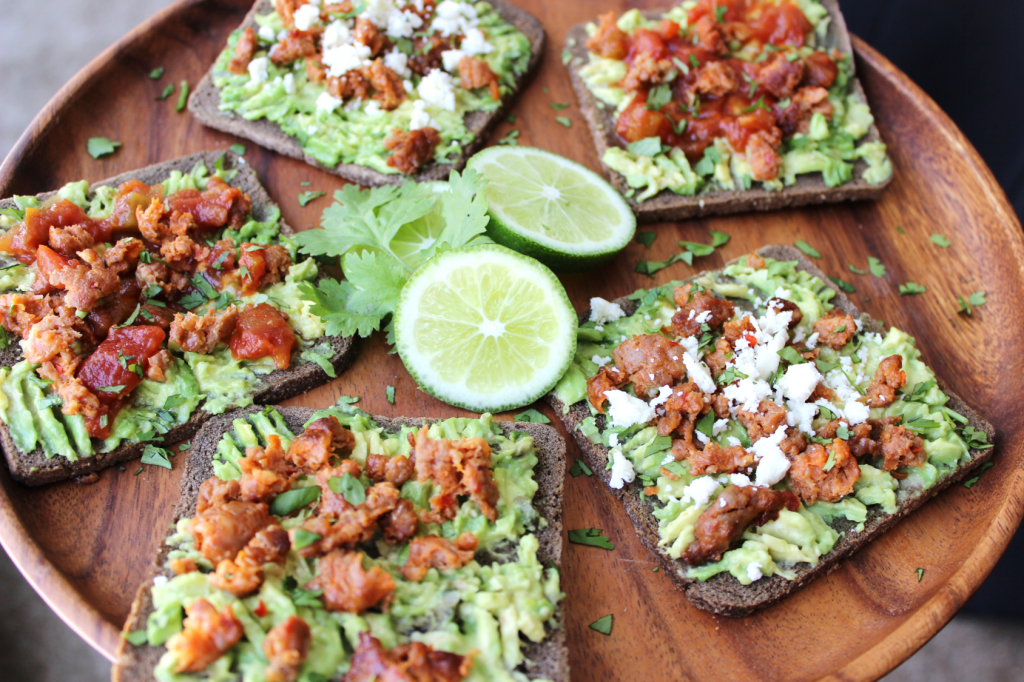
{"x":86,"y":547}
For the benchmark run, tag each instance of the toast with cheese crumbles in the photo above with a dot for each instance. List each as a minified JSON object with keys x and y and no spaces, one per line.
{"x":300,"y":133}
{"x":547,"y":659}
{"x":42,"y":464}
{"x":730,"y":578}
{"x":718,"y":180}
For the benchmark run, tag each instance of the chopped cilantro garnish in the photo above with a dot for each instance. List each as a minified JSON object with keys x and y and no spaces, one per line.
{"x":876,"y":267}
{"x":843,"y":284}
{"x":591,"y":537}
{"x":156,"y":456}
{"x":978,"y":298}
{"x":807,"y":249}
{"x":182,"y":97}
{"x":167,"y":92}
{"x":899,"y":230}
{"x":604,"y":623}
{"x":306,"y":197}
{"x":511,"y":118}
{"x":791,"y":355}
{"x":580,"y":467}
{"x":305,"y":538}
{"x":510,"y":139}
{"x":649,"y":146}
{"x":658,"y":97}
{"x":694,"y":62}
{"x":566,"y":56}
{"x":157,"y":73}
{"x":646,"y":238}
{"x":940,"y":239}
{"x":349,"y":487}
{"x":558,"y":106}
{"x":857,"y":270}
{"x":111,"y":389}
{"x":238,"y":148}
{"x":719,"y":238}
{"x":389,"y":393}
{"x":831,"y":461}
{"x":533,"y":416}
{"x":698,"y":249}
{"x":920,"y":574}
{"x":294,"y":499}
{"x":912,"y":289}
{"x":562,"y":120}
{"x":759,"y":104}
{"x":101,"y":146}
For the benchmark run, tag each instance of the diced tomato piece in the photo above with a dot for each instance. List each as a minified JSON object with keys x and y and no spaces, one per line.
{"x":131,"y":196}
{"x":262,"y":332}
{"x":24,"y":239}
{"x":210,"y":208}
{"x":116,"y":310}
{"x":645,"y":40}
{"x":100,"y":425}
{"x":261,"y":610}
{"x":118,"y":361}
{"x":49,"y":261}
{"x":638,"y":122}
{"x":669,"y":29}
{"x":255,"y":263}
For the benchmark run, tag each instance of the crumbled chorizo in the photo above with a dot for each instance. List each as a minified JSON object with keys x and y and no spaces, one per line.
{"x":763,"y":156}
{"x":396,"y":470}
{"x":296,"y":45}
{"x":607,"y":378}
{"x":157,"y":364}
{"x":705,"y":309}
{"x":214,"y":492}
{"x":347,"y":586}
{"x":650,"y":361}
{"x":351,"y":527}
{"x":183,"y":565}
{"x":820,"y":70}
{"x":387,"y":85}
{"x":424,"y":59}
{"x":85,"y":286}
{"x":316,"y":72}
{"x":753,"y":260}
{"x":782,"y":305}
{"x":244,"y":49}
{"x":835,"y":329}
{"x":645,"y":71}
{"x":411,"y":150}
{"x":367,"y":34}
{"x":683,"y":405}
{"x":53,"y":337}
{"x":609,"y":41}
{"x":351,"y":84}
{"x":18,"y":312}
{"x":794,"y":443}
{"x":330,"y":501}
{"x":720,"y":525}
{"x":286,"y":10}
{"x":764,"y":422}
{"x":203,"y":333}
{"x":243,"y":575}
{"x":322,"y":439}
{"x":734,"y":330}
{"x":206,"y":635}
{"x":414,"y":661}
{"x":779,"y":76}
{"x":717,"y":361}
{"x":222,"y":530}
{"x":889,"y":378}
{"x":178,"y":252}
{"x":400,"y":523}
{"x":475,"y":73}
{"x":457,"y":468}
{"x":77,"y":397}
{"x":266,"y":473}
{"x":67,"y":241}
{"x":709,"y":36}
{"x":715,"y":79}
{"x":796,"y":118}
{"x":286,"y":647}
{"x":714,"y":459}
{"x":813,"y":477}
{"x":440,"y":553}
{"x":901,"y":448}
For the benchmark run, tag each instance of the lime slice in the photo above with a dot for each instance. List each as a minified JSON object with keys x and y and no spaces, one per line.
{"x":485,"y":328}
{"x":413,"y":239}
{"x":553,"y":209}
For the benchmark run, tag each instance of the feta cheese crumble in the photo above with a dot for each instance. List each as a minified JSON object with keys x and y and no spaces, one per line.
{"x":258,"y":71}
{"x":622,"y":471}
{"x":326,"y":103}
{"x":624,"y":410}
{"x":602,"y":311}
{"x":754,"y":571}
{"x":436,"y":89}
{"x":306,"y":17}
{"x":599,"y":361}
{"x":701,"y":490}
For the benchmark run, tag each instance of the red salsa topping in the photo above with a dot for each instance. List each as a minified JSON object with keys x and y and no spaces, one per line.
{"x":262,"y":331}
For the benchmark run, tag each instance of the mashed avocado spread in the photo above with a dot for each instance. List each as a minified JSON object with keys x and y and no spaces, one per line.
{"x":821,"y":386}
{"x":154,"y":407}
{"x":339,"y":126}
{"x":492,"y":607}
{"x":688,"y":121}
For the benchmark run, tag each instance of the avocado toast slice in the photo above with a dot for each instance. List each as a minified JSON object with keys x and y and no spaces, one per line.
{"x":666,"y":502}
{"x":299,"y":119}
{"x":536,"y":455}
{"x":842,"y":158}
{"x":192,"y":375}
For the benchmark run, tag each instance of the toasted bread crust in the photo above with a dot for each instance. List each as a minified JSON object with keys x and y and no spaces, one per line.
{"x":547,"y":659}
{"x":204,"y":104}
{"x":34,"y":468}
{"x":666,"y":205}
{"x":723,"y":594}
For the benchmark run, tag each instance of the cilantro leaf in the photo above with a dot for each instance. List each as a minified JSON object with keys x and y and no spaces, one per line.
{"x":964,"y":307}
{"x":168,"y":91}
{"x":646,"y":238}
{"x":920,"y":574}
{"x":156,"y":456}
{"x":698,"y":249}
{"x":532,"y":415}
{"x":563,"y":120}
{"x":912,"y":289}
{"x":306,"y":197}
{"x":604,"y":623}
{"x":376,"y":281}
{"x":580,"y":467}
{"x":510,"y":139}
{"x":591,"y":537}
{"x":238,"y":148}
{"x":389,"y":393}
{"x":349,"y":487}
{"x":464,"y":209}
{"x":857,"y":270}
{"x":157,"y":73}
{"x":807,"y":249}
{"x":305,"y":538}
{"x":843,"y":284}
{"x":182,"y":97}
{"x":649,"y":146}
{"x":978,"y":298}
{"x":719,"y":238}
{"x":940,"y":239}
{"x":876,"y":267}
{"x":320,"y":359}
{"x":101,"y":146}
{"x":294,"y":499}
{"x":658,"y":97}
{"x":558,"y":106}
{"x":330,"y":301}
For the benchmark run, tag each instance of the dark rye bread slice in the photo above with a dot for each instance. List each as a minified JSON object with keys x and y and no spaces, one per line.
{"x":547,"y":659}
{"x":723,"y":594}
{"x":666,"y":205}
{"x":204,"y":104}
{"x":34,"y":468}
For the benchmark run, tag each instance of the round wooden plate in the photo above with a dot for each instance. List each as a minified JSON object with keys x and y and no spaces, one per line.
{"x":85,"y":548}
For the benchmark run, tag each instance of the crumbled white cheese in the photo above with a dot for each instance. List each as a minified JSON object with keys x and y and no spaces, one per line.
{"x":693,"y":313}
{"x":625,"y":410}
{"x":862,"y":354}
{"x":772,"y":463}
{"x":775,"y":322}
{"x":599,"y":361}
{"x":783,"y":293}
{"x":344,"y":58}
{"x":698,"y":371}
{"x":801,"y":415}
{"x":420,"y":118}
{"x":747,"y":394}
{"x":812,"y":341}
{"x":739,"y":479}
{"x":719,"y":426}
{"x":289,"y":83}
{"x":860,"y":325}
{"x":475,"y":43}
{"x":692,"y":345}
{"x":856,"y":412}
{"x":453,"y":18}
{"x":754,"y":571}
{"x":159,"y":580}
{"x":622,"y":470}
{"x":701,"y":437}
{"x":602,"y":311}
{"x":306,"y":17}
{"x":397,"y":62}
{"x":436,"y":88}
{"x":733,"y":440}
{"x":703,"y":317}
{"x":258,"y":70}
{"x":372,"y":108}
{"x":354,"y":105}
{"x":266,"y":34}
{"x":327,"y":103}
{"x":664,"y":393}
{"x":450,"y":60}
{"x":335,"y":35}
{"x":403,"y":24}
{"x":407,"y":85}
{"x":613,"y":439}
{"x":378,"y":12}
{"x":798,"y":335}
{"x":701,"y":490}
{"x":799,"y":382}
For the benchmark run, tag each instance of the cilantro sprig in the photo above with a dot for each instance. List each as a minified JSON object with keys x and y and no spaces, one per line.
{"x":591,"y":537}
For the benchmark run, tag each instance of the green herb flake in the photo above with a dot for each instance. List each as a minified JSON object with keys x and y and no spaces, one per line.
{"x":719,"y":238}
{"x":294,"y":499}
{"x":101,"y":146}
{"x":843,"y":284}
{"x":856,"y":270}
{"x":920,"y":574}
{"x":305,"y":538}
{"x":566,"y":55}
{"x":912,"y":289}
{"x":562,"y":120}
{"x":807,"y":249}
{"x":182,"y":97}
{"x":964,"y":306}
{"x":646,"y":238}
{"x":655,"y":569}
{"x":139,"y":471}
{"x":658,"y":97}
{"x":694,"y":62}
{"x":558,"y":106}
{"x":306,"y":197}
{"x":876,"y":267}
{"x":604,"y":623}
{"x":978,"y":298}
{"x":649,"y":146}
{"x":137,"y":637}
{"x":532,"y":416}
{"x":580,"y":467}
{"x":156,"y":456}
{"x":238,"y":148}
{"x":349,"y":487}
{"x":899,"y":230}
{"x":591,"y":537}
{"x":940,"y":239}
{"x":111,"y":389}
{"x":510,"y":139}
{"x":389,"y":393}
{"x":511,"y":118}
{"x":696,"y":249}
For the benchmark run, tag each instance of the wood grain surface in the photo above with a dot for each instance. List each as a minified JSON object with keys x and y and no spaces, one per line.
{"x":85,"y":548}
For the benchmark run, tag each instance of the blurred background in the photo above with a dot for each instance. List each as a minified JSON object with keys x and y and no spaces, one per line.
{"x":966,"y":55}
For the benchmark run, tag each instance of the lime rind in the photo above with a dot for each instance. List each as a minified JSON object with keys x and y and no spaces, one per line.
{"x":485,"y":328}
